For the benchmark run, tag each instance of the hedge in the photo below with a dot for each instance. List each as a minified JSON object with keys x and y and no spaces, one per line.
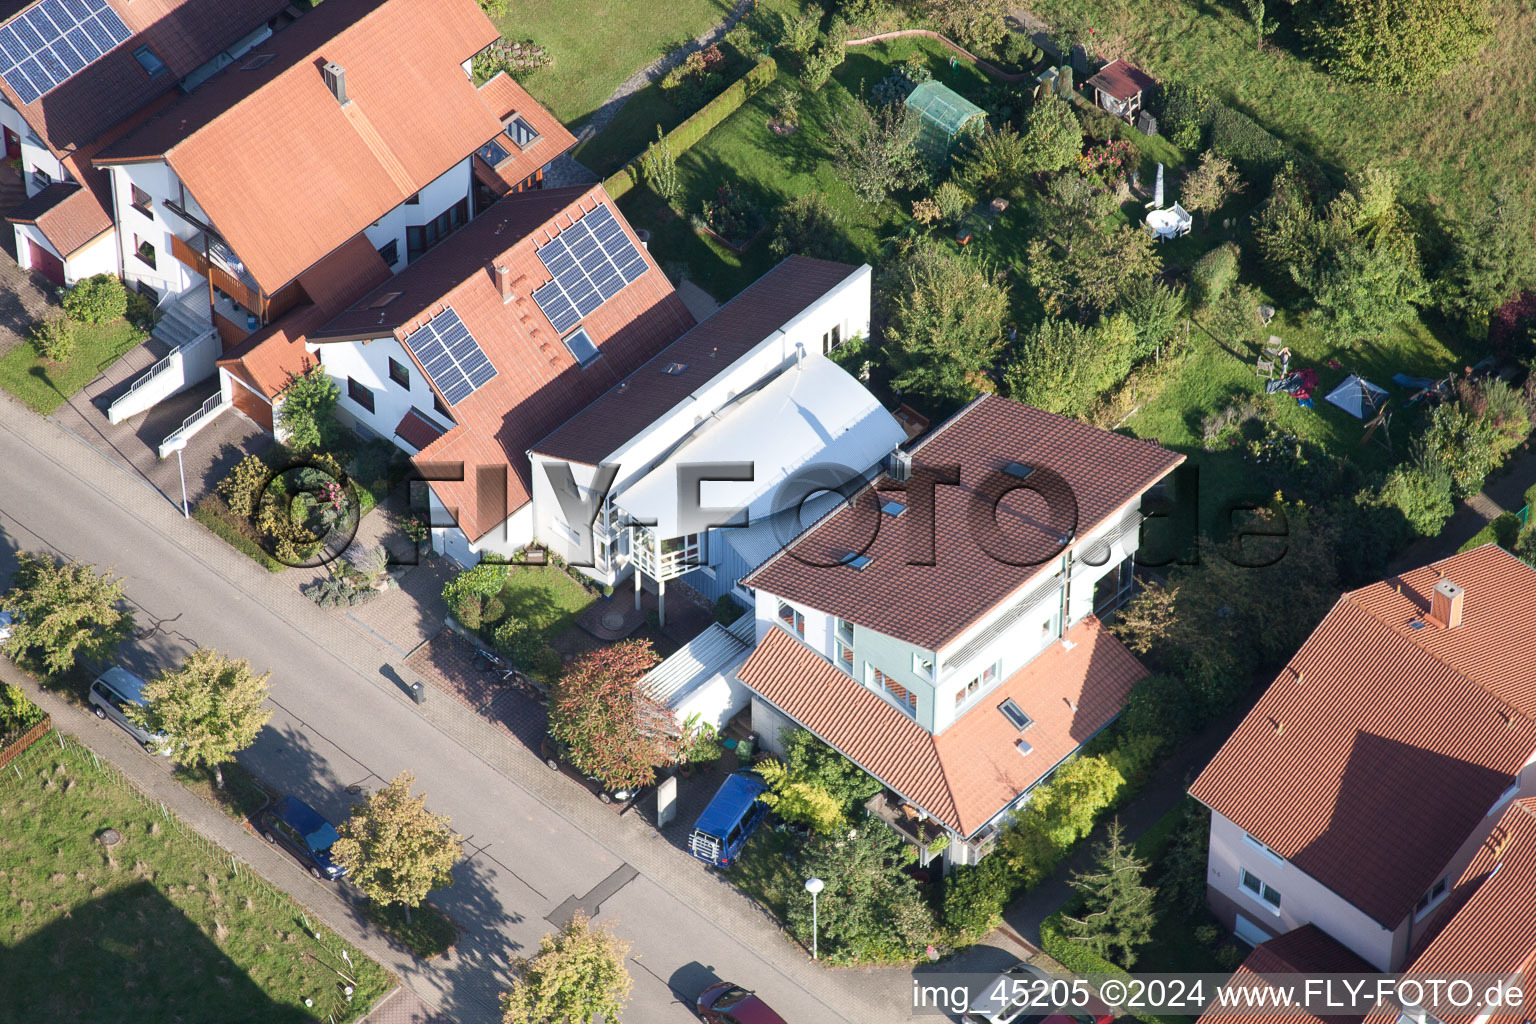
{"x":708,"y":117}
{"x":1079,"y":959}
{"x":216,"y":516}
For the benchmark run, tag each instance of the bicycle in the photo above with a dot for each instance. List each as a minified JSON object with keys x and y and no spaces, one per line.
{"x":511,"y":675}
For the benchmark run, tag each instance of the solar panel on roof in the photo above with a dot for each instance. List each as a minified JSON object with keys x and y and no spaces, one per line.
{"x":591,"y":261}
{"x":56,"y":40}
{"x":451,"y":356}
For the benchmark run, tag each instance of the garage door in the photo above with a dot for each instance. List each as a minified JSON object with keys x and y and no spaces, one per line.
{"x":253,"y":405}
{"x":46,"y":262}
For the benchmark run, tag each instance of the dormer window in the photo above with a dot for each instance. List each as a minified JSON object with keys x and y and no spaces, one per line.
{"x":521,"y":131}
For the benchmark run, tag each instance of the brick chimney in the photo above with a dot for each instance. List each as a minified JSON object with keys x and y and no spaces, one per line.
{"x":504,"y":282}
{"x":1445,"y":605}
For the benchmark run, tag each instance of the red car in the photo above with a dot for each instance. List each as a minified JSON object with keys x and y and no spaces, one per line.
{"x":726,"y":1003}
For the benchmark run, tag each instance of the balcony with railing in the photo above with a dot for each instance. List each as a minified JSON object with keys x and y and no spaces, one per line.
{"x":665,"y":558}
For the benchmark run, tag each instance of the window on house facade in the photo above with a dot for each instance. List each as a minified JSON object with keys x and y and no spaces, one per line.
{"x":691,"y":551}
{"x":1262,"y":892}
{"x":1271,"y":854}
{"x":441,"y":406}
{"x":922,"y":665}
{"x":978,"y":684}
{"x":1114,"y":588}
{"x":359,"y":394}
{"x":419,"y":239}
{"x":791,"y":619}
{"x":399,"y":374}
{"x":415,"y":200}
{"x":144,"y":250}
{"x":389,"y":252}
{"x":1431,"y":899}
{"x":149,"y":293}
{"x":142,"y":201}
{"x":831,"y":339}
{"x":41,"y":179}
{"x":900,"y":695}
{"x":842,"y":642}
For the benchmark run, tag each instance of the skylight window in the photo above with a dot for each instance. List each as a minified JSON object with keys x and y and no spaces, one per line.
{"x":1024,"y":748}
{"x":521,"y":131}
{"x":1015,"y":714}
{"x":261,"y":60}
{"x":581,"y":347}
{"x":675,"y":369}
{"x":492,"y":152}
{"x":860,"y":562}
{"x":149,"y":61}
{"x":892,"y":507}
{"x":1018,"y":470}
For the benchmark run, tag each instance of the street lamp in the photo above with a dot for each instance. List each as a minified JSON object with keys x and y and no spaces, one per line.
{"x":814,"y":887}
{"x":180,"y":445}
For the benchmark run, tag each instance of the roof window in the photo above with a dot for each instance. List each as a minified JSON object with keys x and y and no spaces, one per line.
{"x":521,"y":131}
{"x":1023,"y":747}
{"x":892,"y":507}
{"x":149,"y":61}
{"x":261,"y":60}
{"x":674,"y":369}
{"x":581,"y":347}
{"x":492,"y":152}
{"x":1018,"y":470}
{"x":1016,"y":715}
{"x":860,"y":562}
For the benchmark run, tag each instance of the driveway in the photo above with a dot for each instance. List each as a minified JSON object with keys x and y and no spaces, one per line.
{"x":537,"y":845}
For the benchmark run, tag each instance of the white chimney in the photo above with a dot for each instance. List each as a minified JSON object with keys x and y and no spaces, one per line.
{"x":336,"y":80}
{"x":899,"y":466}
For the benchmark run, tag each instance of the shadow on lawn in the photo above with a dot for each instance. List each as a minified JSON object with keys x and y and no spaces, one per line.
{"x":136,"y":956}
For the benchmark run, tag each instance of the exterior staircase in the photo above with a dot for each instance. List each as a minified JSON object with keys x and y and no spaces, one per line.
{"x":186,"y":332}
{"x":184,"y":320}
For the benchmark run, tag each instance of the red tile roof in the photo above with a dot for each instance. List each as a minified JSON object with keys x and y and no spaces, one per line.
{"x":67,"y":215}
{"x":506,"y":98}
{"x":1381,"y":746}
{"x":1121,"y":80}
{"x":537,"y":384}
{"x":267,"y":358}
{"x":285,"y":172}
{"x":1096,"y":472}
{"x":1306,"y":950}
{"x":732,"y":330}
{"x":418,"y":430}
{"x":182,"y":33}
{"x":965,"y":775}
{"x":1490,"y":919}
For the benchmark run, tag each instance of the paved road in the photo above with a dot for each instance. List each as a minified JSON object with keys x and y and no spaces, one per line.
{"x":535,"y":840}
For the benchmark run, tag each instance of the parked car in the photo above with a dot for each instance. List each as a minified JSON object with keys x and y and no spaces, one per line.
{"x":1013,"y":997}
{"x":305,"y":833}
{"x":557,"y":756}
{"x":112,"y":694}
{"x":726,"y":1003}
{"x":5,"y":626}
{"x":730,"y":819}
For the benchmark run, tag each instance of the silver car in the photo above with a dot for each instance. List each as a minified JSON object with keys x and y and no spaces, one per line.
{"x":113,"y":692}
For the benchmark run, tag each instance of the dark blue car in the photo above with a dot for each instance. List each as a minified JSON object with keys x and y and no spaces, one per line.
{"x":729,"y":820}
{"x":308,"y":836}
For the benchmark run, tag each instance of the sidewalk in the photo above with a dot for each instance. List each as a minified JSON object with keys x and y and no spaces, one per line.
{"x":152,"y":775}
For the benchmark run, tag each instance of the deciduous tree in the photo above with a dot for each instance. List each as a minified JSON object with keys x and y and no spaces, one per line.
{"x":1117,"y":916}
{"x":993,"y":162}
{"x":943,"y":322}
{"x":614,"y":728}
{"x":1053,"y":136}
{"x":810,"y":225}
{"x":62,"y":610}
{"x":659,"y":167}
{"x":578,"y":977}
{"x":876,"y":148}
{"x":1209,"y":185}
{"x":208,"y":710}
{"x":394,"y":849}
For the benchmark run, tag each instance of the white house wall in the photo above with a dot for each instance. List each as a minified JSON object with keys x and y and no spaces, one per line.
{"x":436,"y":199}
{"x":368,"y":364}
{"x":168,"y":277}
{"x":516,"y":532}
{"x":99,"y":257}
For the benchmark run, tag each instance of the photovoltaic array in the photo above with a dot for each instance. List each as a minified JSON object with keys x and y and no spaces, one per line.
{"x":44,"y":47}
{"x":591,"y":261}
{"x":451,"y":356}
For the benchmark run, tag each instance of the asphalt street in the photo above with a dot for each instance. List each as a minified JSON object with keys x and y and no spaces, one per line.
{"x":537,"y":845}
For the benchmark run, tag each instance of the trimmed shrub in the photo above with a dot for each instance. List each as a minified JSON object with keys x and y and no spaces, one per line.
{"x":547,"y":664}
{"x":519,"y":640}
{"x":97,"y":300}
{"x":1214,"y":273}
{"x":140,"y":311}
{"x":687,"y":134}
{"x":215,"y":515}
{"x":242,"y":488}
{"x":1240,"y":139}
{"x":1186,"y":113}
{"x":54,"y":337}
{"x":17,"y":711}
{"x":974,"y":898}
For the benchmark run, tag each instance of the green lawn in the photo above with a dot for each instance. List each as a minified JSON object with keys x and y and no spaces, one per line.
{"x":544,"y":594}
{"x":1466,"y":134}
{"x":45,"y":386}
{"x":602,"y":45}
{"x":158,"y":928}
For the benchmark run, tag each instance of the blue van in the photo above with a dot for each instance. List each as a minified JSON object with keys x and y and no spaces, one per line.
{"x":729,"y":820}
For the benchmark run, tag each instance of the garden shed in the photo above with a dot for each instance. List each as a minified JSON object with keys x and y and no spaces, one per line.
{"x":943,"y":113}
{"x":1121,"y":88}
